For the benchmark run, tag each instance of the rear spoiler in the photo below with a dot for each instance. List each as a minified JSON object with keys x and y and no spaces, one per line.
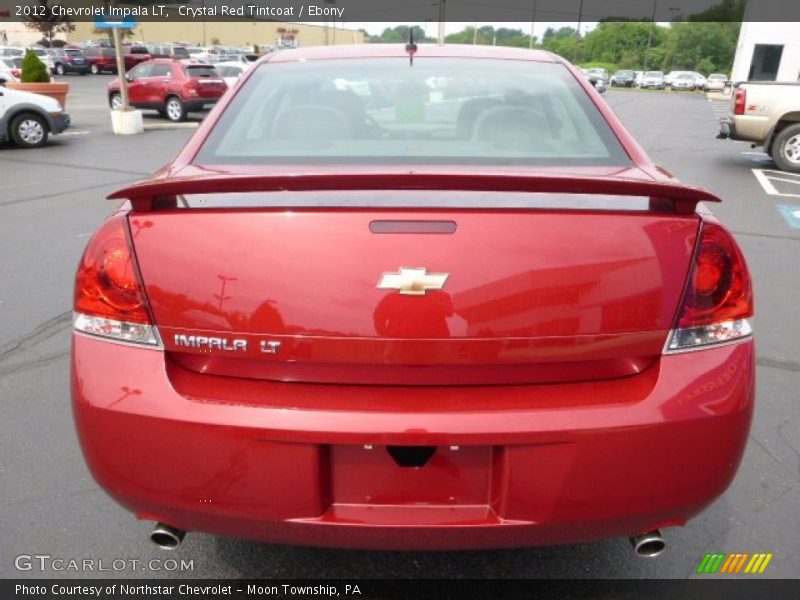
{"x":150,"y":194}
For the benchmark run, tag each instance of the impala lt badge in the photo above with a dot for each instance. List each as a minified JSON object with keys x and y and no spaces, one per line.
{"x":412,"y":281}
{"x":202,"y":342}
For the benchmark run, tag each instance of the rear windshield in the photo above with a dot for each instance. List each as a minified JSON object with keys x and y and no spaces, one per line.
{"x":201,"y":71}
{"x":654,"y":74}
{"x":386,"y":111}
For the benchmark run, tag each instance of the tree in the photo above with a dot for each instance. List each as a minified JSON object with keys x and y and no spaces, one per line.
{"x":689,"y":44}
{"x":399,"y":35}
{"x":33,"y":69}
{"x":47,"y":23}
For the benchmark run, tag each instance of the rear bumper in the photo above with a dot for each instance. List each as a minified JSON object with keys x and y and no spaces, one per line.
{"x":198,"y":104}
{"x":727,"y":128}
{"x":514,"y":465}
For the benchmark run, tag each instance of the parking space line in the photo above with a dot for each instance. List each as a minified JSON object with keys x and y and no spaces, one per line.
{"x":766,"y":177}
{"x":765,"y":183}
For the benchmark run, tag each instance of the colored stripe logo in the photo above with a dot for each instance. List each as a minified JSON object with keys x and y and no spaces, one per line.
{"x":737,"y":562}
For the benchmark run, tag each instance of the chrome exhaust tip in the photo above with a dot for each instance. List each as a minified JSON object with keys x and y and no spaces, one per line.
{"x":166,"y":537}
{"x":649,"y":545}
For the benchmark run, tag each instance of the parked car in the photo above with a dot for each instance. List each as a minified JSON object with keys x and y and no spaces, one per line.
{"x":653,"y":79}
{"x":230,"y":71}
{"x":292,"y":326}
{"x":684,"y":81}
{"x":28,"y":119}
{"x":11,"y":52}
{"x":101,"y":60}
{"x":9,"y":71}
{"x":171,"y":87}
{"x":167,"y":51}
{"x":765,"y":114}
{"x":699,"y":80}
{"x":716,"y":82}
{"x":637,"y":78}
{"x":68,"y":60}
{"x":623,"y":78}
{"x":595,"y":75}
{"x":134,"y":54}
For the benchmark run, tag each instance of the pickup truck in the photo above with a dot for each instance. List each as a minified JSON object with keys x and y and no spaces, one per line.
{"x":766,"y":114}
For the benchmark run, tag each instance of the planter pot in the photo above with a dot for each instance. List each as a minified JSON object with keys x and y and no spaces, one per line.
{"x":127,"y":122}
{"x":55,"y":89}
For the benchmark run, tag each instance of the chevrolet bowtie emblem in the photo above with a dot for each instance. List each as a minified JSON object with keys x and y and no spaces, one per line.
{"x":412,"y":281}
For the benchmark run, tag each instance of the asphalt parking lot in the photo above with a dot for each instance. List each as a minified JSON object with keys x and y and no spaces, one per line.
{"x":53,"y":198}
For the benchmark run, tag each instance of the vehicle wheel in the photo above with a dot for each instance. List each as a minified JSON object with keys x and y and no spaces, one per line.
{"x":60,"y":69}
{"x":29,"y":131}
{"x":786,"y":149}
{"x":115,"y":101}
{"x":94,"y":69}
{"x":175,"y":109}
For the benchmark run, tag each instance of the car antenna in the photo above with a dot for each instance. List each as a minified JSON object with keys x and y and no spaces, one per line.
{"x":411,"y":47}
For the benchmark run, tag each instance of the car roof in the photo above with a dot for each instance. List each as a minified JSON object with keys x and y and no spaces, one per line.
{"x":423,"y":50}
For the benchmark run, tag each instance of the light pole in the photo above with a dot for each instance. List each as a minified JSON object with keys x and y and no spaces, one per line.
{"x":442,"y":15}
{"x":578,"y":33}
{"x":650,"y":35}
{"x":533,"y":22}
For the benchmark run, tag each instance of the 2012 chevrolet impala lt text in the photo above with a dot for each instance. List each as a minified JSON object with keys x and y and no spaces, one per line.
{"x":399,"y":297}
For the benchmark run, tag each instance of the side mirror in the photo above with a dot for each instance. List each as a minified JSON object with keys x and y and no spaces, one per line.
{"x":128,"y":77}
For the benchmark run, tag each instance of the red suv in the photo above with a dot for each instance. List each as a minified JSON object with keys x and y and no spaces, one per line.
{"x":170,"y":87}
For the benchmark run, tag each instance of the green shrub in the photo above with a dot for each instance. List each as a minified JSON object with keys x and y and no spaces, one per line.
{"x":33,"y":69}
{"x":255,"y":48}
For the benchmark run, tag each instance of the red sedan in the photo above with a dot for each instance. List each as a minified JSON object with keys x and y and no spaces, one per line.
{"x":447,"y":303}
{"x":171,"y":87}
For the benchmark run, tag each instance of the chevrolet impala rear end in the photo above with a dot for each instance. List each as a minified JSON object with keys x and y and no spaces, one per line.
{"x":413,"y":300}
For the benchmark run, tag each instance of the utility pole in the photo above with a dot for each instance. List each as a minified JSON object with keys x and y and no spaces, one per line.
{"x":578,"y":33}
{"x":650,"y":35}
{"x":533,"y":22}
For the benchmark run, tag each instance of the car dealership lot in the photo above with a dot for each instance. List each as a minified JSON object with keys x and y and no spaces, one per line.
{"x":53,"y":199}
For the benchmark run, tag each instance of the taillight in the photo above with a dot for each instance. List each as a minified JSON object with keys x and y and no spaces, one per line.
{"x":739,"y":101}
{"x":718,"y":300}
{"x":109,"y":296}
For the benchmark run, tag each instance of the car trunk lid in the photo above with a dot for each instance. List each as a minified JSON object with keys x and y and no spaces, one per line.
{"x":273,"y":286}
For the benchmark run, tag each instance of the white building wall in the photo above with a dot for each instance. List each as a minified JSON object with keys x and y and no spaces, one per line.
{"x":752,"y":33}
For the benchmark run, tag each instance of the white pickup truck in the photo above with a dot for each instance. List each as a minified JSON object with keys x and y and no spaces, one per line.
{"x":767,"y":114}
